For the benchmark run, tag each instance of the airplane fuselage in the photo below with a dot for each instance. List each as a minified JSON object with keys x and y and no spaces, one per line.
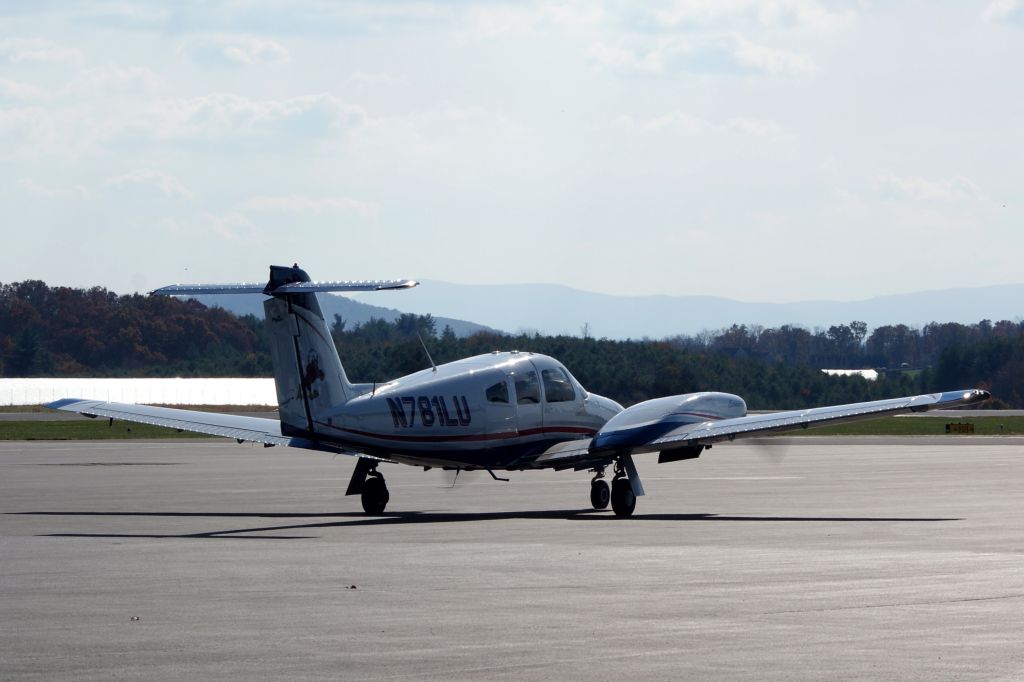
{"x":494,"y":411}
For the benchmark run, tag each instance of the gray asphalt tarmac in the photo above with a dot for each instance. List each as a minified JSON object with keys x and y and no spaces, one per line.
{"x":860,"y":560}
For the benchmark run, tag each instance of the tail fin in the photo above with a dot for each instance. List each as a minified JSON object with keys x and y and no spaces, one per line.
{"x":311,"y":382}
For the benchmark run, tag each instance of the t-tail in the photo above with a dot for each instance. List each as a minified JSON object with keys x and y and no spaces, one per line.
{"x":310,"y":379}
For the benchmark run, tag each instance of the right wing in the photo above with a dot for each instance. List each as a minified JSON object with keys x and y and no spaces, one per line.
{"x":633,"y":430}
{"x":650,"y":427}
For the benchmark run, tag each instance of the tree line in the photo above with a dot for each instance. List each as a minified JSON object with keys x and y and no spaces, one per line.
{"x":65,"y":332}
{"x":62,"y":331}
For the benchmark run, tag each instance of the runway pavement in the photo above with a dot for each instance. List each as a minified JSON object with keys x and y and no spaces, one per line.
{"x":211,"y":560}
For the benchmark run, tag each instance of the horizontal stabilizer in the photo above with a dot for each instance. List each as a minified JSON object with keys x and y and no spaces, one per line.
{"x":290,"y":288}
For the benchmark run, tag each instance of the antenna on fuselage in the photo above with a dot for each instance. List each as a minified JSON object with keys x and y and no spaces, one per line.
{"x":426,"y":351}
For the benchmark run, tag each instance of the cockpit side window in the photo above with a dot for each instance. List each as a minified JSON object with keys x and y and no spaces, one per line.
{"x":527,"y":388}
{"x":557,"y":387}
{"x":498,"y":393}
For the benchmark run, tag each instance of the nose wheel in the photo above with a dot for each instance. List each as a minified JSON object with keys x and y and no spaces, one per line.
{"x":375,"y":494}
{"x":599,"y":493}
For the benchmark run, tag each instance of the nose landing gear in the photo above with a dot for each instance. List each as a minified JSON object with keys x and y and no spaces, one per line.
{"x":599,"y":491}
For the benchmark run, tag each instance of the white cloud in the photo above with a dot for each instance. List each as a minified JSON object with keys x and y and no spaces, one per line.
{"x":719,"y":53}
{"x":230,"y":225}
{"x":793,"y":14}
{"x":85,"y":125}
{"x":113,"y":79}
{"x":764,"y":59}
{"x":168,"y":185}
{"x":134,"y":15}
{"x":494,"y":20}
{"x":682,"y":123}
{"x":362,"y":78}
{"x":1011,"y":11}
{"x":221,"y":117}
{"x":622,"y":58}
{"x":25,"y":127}
{"x":227,"y":50}
{"x":12,"y":91}
{"x":892,"y":186}
{"x":19,"y":50}
{"x":35,"y":189}
{"x":294,"y":203}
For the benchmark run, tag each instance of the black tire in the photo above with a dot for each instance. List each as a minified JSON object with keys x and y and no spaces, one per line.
{"x":375,"y":495}
{"x":623,"y":499}
{"x":599,"y":494}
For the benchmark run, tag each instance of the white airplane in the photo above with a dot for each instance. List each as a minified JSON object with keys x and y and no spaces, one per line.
{"x":504,"y":411}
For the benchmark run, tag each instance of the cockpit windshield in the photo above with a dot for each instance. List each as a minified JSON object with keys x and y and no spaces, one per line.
{"x":557,"y":386}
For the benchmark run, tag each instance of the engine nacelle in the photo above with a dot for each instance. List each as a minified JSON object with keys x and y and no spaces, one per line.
{"x":636,"y":426}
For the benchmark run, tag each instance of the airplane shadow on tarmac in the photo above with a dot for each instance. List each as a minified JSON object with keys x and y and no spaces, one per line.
{"x":361,"y":519}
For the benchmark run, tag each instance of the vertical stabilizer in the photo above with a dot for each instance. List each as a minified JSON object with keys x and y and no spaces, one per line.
{"x":311,"y":383}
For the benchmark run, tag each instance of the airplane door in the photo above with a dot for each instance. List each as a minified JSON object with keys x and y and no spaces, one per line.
{"x":529,"y":411}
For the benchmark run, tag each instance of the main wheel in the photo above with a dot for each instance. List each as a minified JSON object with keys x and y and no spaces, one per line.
{"x":623,"y":499}
{"x":375,"y":495}
{"x":599,"y":494}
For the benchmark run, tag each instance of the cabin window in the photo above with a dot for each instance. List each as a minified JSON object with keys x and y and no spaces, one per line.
{"x":557,"y":387}
{"x":498,"y":393}
{"x":527,"y":388}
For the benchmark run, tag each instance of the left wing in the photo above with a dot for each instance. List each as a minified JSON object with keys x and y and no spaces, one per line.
{"x":239,"y":427}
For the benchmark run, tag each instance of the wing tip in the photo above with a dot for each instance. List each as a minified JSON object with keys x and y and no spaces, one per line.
{"x":62,"y":403}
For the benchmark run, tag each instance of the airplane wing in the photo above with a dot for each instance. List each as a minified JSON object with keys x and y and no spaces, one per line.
{"x":573,"y":454}
{"x":239,"y":427}
{"x":667,"y":433}
{"x":729,"y":429}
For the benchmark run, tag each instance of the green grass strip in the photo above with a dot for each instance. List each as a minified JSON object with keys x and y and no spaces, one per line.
{"x":86,"y":429}
{"x":919,"y":426}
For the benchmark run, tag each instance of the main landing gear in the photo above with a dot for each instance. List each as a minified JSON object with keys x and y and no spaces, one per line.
{"x":375,"y":493}
{"x":369,"y":484}
{"x":624,"y":489}
{"x":623,"y":499}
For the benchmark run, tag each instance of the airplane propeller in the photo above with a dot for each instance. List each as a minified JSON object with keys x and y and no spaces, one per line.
{"x":772,"y":448}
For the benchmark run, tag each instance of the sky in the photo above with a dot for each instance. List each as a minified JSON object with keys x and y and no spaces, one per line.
{"x":773,"y":151}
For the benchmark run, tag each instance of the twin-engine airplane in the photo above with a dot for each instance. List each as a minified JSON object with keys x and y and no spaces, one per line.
{"x":504,"y":411}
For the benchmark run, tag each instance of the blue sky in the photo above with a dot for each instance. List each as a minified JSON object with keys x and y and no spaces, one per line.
{"x":771,"y":151}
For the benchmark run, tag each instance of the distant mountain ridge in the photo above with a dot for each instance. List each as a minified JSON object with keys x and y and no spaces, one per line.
{"x":557,"y":309}
{"x":352,"y":312}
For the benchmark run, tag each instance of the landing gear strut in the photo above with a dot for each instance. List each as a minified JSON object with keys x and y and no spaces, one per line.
{"x":375,"y":493}
{"x":623,"y":497}
{"x":599,"y":492}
